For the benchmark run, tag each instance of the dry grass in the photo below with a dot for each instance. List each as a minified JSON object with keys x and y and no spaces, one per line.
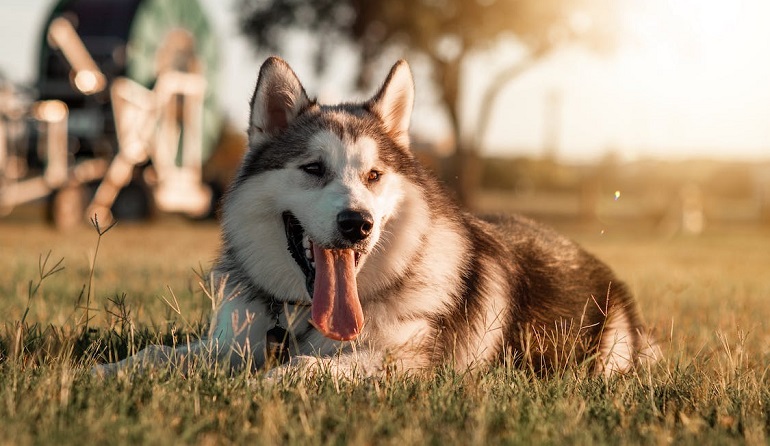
{"x":706,"y":299}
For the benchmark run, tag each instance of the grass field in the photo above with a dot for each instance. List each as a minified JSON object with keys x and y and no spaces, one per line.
{"x":707,"y":300}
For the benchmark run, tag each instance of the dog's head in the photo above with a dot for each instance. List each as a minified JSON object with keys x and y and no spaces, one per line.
{"x":317,"y":185}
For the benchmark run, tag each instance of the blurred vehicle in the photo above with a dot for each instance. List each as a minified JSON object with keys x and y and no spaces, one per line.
{"x":122,"y":118}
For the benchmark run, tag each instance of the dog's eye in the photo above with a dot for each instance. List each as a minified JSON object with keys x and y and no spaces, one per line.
{"x":373,"y":176}
{"x":316,"y":169}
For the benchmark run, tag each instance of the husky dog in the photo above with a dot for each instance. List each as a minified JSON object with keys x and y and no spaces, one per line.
{"x":340,"y":250}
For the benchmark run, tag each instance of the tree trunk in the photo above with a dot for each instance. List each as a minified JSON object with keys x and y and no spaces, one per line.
{"x":464,"y":175}
{"x":467,"y":163}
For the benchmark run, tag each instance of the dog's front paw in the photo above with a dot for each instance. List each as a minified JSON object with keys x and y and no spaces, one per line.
{"x":103,"y":371}
{"x":298,"y":366}
{"x":151,"y":357}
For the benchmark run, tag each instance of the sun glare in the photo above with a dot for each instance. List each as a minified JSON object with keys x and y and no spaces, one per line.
{"x":699,"y":69}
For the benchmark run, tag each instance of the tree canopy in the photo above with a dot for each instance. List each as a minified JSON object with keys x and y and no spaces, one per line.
{"x":446,"y":31}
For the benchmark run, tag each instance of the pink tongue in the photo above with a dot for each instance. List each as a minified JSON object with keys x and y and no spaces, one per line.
{"x":337,"y":312}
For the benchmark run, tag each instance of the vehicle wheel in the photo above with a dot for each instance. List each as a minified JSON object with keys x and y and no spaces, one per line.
{"x":67,"y":206}
{"x":133,"y":203}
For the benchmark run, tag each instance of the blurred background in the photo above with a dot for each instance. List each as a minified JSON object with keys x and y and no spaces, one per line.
{"x":605,"y":113}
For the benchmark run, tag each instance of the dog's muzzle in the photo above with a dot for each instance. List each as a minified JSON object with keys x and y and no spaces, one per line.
{"x":330,"y":273}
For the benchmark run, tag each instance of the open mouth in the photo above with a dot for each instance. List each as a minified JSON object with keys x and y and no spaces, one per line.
{"x":301,"y":249}
{"x":330,"y":279}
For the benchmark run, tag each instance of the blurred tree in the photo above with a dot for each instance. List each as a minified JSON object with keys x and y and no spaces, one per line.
{"x":446,"y":31}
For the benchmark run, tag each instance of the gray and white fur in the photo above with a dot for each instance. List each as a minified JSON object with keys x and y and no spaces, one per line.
{"x":408,"y":280}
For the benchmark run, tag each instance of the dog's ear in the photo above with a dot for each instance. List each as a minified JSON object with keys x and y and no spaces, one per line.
{"x":393,"y":103}
{"x":278,"y":98}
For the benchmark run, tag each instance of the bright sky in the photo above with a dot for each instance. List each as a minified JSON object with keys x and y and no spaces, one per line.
{"x":691,"y":78}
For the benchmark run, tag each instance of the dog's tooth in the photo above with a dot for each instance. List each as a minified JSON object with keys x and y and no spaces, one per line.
{"x":308,"y":253}
{"x":306,"y":242}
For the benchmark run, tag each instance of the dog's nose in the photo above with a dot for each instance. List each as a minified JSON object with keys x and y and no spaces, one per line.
{"x":355,"y":225}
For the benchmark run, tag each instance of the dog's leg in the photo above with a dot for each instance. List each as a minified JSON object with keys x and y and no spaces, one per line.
{"x":359,"y":364}
{"x":236,"y":341}
{"x":619,"y":344}
{"x":162,"y":356}
{"x":203,"y":353}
